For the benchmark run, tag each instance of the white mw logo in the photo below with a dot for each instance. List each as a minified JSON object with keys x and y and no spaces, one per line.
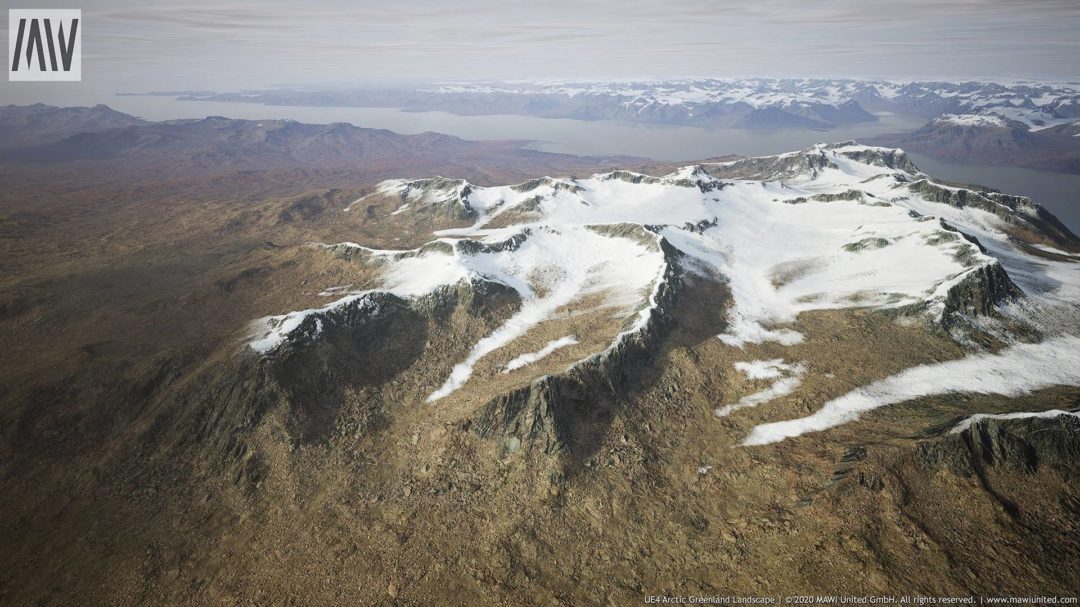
{"x":44,"y":44}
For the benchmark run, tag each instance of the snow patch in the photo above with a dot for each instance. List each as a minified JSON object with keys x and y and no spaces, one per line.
{"x":531,"y":357}
{"x":964,"y":425}
{"x":788,"y":378}
{"x":1013,"y":372}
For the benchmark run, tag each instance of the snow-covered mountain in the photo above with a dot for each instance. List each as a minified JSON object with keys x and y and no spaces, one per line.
{"x":1036,"y":123}
{"x":990,"y":137}
{"x":1038,"y":105}
{"x":756,"y":103}
{"x":593,"y":268}
{"x":790,"y":102}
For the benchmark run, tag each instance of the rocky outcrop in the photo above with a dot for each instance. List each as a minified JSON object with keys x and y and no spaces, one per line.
{"x":355,"y":252}
{"x":1022,"y":445}
{"x":980,"y":292}
{"x":1019,"y":211}
{"x":977,"y":294}
{"x":475,"y":247}
{"x":810,"y":162}
{"x":772,"y":168}
{"x":361,"y":343}
{"x":555,"y":184}
{"x":630,"y":177}
{"x":846,"y":195}
{"x":883,"y":157}
{"x":345,"y":354}
{"x":866,"y":244}
{"x":438,"y":196}
{"x":1042,"y":220}
{"x":699,"y":177}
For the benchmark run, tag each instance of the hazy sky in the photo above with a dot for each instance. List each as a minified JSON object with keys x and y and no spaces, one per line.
{"x":131,"y":45}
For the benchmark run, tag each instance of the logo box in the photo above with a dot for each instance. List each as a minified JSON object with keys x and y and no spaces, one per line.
{"x":44,"y":45}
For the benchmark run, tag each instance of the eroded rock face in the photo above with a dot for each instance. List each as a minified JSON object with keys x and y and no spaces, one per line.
{"x":1018,"y":211}
{"x":981,"y":291}
{"x":771,"y":168}
{"x":348,"y":353}
{"x":1023,"y":446}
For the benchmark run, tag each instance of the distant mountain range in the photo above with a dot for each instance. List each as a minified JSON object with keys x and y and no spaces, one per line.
{"x":741,"y":103}
{"x":39,"y":123}
{"x":1041,"y":120}
{"x":824,"y":103}
{"x":97,"y":136}
{"x":232,"y":142}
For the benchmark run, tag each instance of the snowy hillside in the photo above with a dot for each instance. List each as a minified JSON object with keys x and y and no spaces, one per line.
{"x":831,"y":227}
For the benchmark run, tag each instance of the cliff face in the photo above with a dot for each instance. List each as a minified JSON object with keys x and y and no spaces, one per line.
{"x":1027,"y":216}
{"x":1005,"y":444}
{"x":549,"y":412}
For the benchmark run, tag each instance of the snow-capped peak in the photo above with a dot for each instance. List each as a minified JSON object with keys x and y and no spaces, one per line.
{"x":974,"y":120}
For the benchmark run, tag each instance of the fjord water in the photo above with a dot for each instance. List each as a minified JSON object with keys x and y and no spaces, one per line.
{"x":579,"y":137}
{"x":1059,"y":192}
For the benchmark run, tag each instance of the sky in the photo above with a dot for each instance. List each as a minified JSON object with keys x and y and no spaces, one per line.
{"x":138,"y":46}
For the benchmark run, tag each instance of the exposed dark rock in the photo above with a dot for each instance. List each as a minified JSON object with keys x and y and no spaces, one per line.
{"x":981,"y":291}
{"x":848,"y":195}
{"x":629,"y":177}
{"x":475,"y":247}
{"x":1018,"y":211}
{"x":556,"y":184}
{"x":773,"y":168}
{"x":865,"y":244}
{"x":1022,"y":445}
{"x":439,"y":196}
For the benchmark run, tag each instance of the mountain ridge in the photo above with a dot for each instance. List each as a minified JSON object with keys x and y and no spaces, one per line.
{"x":732,"y":102}
{"x":980,"y":286}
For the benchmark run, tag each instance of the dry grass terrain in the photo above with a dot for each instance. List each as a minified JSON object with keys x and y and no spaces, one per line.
{"x":147,"y":457}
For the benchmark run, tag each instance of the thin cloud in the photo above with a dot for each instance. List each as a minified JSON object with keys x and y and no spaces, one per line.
{"x":247,"y":44}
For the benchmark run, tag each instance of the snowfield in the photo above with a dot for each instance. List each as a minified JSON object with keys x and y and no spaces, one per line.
{"x":837,"y":226}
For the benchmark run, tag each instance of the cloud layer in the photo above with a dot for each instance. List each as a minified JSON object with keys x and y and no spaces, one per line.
{"x":211,"y":45}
